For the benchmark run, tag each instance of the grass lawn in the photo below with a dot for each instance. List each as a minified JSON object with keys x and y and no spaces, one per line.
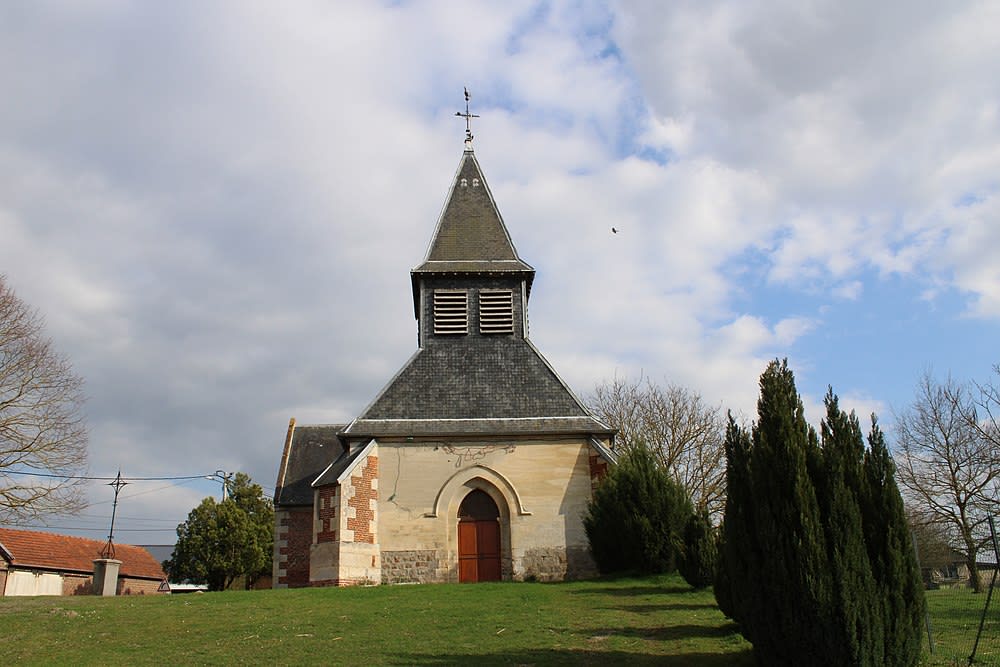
{"x":955,"y":615}
{"x":649,"y":621}
{"x":657,"y":620}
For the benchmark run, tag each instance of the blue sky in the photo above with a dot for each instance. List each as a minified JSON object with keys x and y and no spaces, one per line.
{"x":216,"y":205}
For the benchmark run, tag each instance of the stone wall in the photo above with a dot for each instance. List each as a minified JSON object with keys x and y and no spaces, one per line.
{"x":557,"y":564}
{"x":410,"y":567}
{"x":541,"y":487}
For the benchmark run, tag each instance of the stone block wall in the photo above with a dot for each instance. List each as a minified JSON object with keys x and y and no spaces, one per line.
{"x":557,"y":564}
{"x":411,"y":567}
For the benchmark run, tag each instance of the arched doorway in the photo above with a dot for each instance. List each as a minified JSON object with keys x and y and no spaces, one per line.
{"x":478,"y":538}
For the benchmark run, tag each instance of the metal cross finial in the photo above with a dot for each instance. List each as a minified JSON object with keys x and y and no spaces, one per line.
{"x":468,"y":120}
{"x":109,"y":549}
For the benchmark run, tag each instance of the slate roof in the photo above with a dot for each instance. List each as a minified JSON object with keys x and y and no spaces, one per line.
{"x":470,"y":236}
{"x":308,"y":450}
{"x":65,"y":553}
{"x":474,"y":427}
{"x":343,"y":462}
{"x":476,"y":385}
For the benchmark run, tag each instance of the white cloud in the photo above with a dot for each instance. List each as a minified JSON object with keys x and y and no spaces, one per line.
{"x":216,"y":207}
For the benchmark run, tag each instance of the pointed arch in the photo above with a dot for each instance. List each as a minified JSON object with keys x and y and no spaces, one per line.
{"x":481,"y":477}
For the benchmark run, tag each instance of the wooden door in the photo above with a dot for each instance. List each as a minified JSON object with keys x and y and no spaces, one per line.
{"x":478,"y":539}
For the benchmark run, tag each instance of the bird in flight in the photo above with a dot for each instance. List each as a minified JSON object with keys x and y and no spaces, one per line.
{"x":614,"y":231}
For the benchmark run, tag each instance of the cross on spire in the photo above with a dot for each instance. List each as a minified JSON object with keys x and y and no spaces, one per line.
{"x":468,"y":120}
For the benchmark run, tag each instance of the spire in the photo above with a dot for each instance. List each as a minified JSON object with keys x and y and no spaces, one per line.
{"x":471,"y":236}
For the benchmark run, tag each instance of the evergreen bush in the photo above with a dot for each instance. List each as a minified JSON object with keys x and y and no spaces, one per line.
{"x":635,"y":520}
{"x":698,"y":561}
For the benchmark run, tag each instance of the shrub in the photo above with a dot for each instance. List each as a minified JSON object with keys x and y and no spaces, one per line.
{"x":635,"y":521}
{"x":698,"y":561}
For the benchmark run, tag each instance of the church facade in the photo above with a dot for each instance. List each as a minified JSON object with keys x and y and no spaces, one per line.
{"x":475,"y":462}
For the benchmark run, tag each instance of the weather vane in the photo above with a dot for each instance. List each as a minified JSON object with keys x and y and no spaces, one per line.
{"x":468,"y":120}
{"x":109,"y":549}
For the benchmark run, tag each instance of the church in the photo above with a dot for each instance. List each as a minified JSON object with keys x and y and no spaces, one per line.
{"x":475,"y":462}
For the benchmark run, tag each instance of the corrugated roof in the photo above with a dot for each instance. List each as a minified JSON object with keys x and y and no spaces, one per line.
{"x":50,"y":551}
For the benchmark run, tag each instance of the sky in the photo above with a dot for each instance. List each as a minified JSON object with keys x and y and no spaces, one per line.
{"x":216,"y":205}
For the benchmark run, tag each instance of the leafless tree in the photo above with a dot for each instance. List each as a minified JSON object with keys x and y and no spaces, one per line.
{"x":676,"y":424}
{"x":931,"y":538}
{"x":946,"y":466}
{"x":43,"y":439}
{"x":987,"y":420}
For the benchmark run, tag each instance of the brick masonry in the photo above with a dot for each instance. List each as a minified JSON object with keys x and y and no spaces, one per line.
{"x":364,"y":502}
{"x":129,"y":586}
{"x":598,"y":468}
{"x":291,"y":561}
{"x":328,"y":498}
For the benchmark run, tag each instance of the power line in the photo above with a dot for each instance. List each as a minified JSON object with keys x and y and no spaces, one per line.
{"x":101,"y":530}
{"x":107,"y":479}
{"x":129,"y":518}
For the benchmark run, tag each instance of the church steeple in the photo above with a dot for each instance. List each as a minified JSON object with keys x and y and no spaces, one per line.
{"x":471,"y":235}
{"x":471,"y":265}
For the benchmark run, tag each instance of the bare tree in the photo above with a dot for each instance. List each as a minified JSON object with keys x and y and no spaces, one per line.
{"x":43,"y":440}
{"x":987,"y":421}
{"x":684,"y":433}
{"x":946,"y":466}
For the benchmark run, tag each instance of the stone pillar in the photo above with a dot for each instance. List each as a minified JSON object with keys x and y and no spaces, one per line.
{"x":106,"y":576}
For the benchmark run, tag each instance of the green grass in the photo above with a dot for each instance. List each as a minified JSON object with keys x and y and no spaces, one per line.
{"x":954,"y":616}
{"x":648,"y":621}
{"x":657,"y":620}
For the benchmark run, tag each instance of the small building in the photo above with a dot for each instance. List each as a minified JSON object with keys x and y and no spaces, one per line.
{"x":952,"y":571}
{"x":38,"y":563}
{"x":476,"y":462}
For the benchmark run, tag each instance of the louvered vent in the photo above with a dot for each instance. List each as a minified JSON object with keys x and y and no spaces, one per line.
{"x":451,"y":312}
{"x":496,"y":312}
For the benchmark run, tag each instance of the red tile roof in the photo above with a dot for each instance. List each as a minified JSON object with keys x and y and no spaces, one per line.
{"x":29,"y":548}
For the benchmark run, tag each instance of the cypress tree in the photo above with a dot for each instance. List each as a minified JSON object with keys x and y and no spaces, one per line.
{"x":738,"y":546}
{"x":698,"y":560}
{"x":890,"y":549}
{"x":816,"y":563}
{"x":857,"y":627}
{"x":789,"y":605}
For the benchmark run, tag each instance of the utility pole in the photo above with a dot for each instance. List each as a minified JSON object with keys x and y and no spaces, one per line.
{"x":224,"y":477}
{"x":109,"y":549}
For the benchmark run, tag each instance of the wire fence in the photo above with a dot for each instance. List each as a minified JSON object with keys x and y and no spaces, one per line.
{"x":963,"y":626}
